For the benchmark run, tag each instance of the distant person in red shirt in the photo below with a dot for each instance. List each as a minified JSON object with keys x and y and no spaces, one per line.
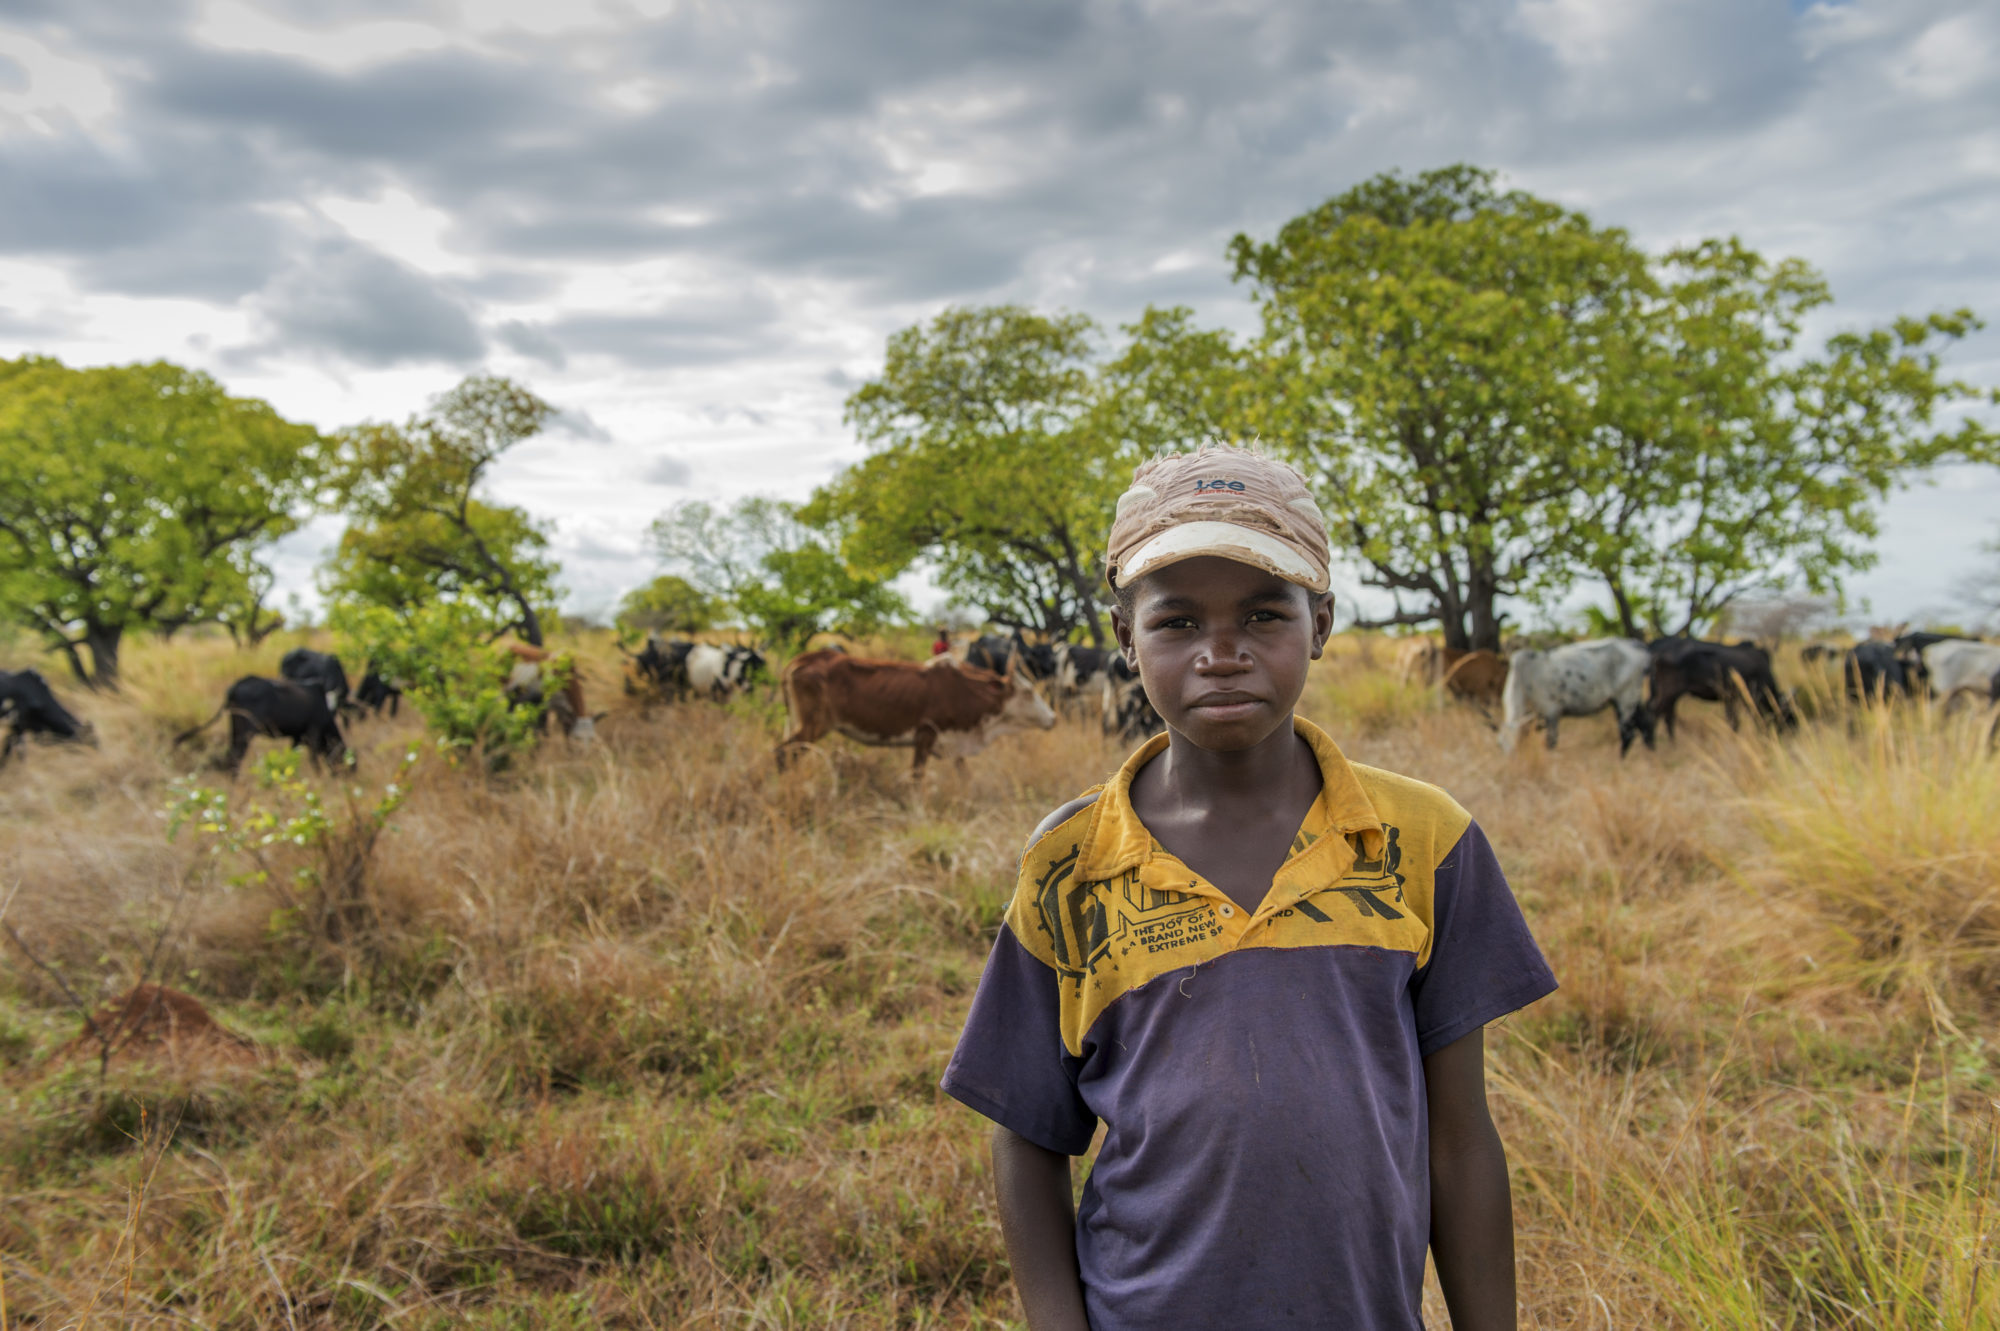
{"x":943,"y":643}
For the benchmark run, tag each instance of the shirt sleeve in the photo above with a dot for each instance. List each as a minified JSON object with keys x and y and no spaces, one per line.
{"x":1010,"y":1063}
{"x":1484,"y":962}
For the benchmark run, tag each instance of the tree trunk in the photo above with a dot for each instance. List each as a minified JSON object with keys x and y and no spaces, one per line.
{"x":103,"y":645}
{"x":76,"y":666}
{"x":1626,"y":623}
{"x":1482,"y":592}
{"x":1485,"y":634}
{"x":1451,"y":622}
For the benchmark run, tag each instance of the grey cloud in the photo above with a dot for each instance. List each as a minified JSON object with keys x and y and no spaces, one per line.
{"x":585,"y":545}
{"x":1098,"y":139}
{"x":700,"y":335}
{"x":533,"y":342}
{"x":414,"y":108}
{"x":367,"y":308}
{"x":579,"y":424}
{"x":668,"y":471}
{"x":29,"y":332}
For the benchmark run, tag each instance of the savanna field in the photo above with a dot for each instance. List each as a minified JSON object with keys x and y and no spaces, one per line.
{"x":647,"y":1034}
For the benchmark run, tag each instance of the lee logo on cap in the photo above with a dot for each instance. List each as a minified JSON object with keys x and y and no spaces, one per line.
{"x":1216,"y":487}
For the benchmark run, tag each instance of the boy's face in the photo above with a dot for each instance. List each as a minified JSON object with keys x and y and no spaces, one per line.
{"x":1222,"y":648}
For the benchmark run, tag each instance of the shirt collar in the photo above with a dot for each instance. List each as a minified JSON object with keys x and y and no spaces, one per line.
{"x":1117,"y":840}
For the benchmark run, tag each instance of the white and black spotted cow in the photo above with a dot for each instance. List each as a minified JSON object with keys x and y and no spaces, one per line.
{"x":1961,"y":665}
{"x":1578,"y":680}
{"x":720,"y":672}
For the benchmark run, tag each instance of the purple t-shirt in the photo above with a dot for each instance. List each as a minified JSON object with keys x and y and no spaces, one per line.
{"x":1259,"y":1075}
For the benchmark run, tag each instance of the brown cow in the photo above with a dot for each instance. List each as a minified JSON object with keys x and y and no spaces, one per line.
{"x":943,"y":706}
{"x":1428,"y":662}
{"x":524,"y":684}
{"x":1478,"y":677}
{"x":1417,"y":659}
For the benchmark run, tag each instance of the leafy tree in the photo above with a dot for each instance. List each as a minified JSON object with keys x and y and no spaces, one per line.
{"x":1176,"y":386}
{"x":1730,"y":465}
{"x":777,"y":575}
{"x":419,"y":533}
{"x":991,"y":461}
{"x":667,"y":604}
{"x":137,"y":497}
{"x":1432,"y":358}
{"x":450,"y":671}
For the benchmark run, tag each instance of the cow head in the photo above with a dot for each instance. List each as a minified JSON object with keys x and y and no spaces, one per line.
{"x":745,"y":664}
{"x":1025,"y":707}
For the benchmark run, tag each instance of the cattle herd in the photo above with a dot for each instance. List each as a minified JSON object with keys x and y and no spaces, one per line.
{"x":1644,"y":683}
{"x":954,"y":704}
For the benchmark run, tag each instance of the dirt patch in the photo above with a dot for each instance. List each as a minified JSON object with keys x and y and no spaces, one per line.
{"x":153,"y":1017}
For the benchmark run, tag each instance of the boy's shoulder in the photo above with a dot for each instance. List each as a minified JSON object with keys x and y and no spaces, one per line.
{"x":1063,"y":813}
{"x":1407,"y":802}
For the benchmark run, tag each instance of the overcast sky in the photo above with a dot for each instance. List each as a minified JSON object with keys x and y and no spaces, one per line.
{"x":693,"y":225}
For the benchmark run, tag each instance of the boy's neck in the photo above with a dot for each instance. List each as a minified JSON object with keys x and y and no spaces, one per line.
{"x":1279,"y":766}
{"x":1230,"y":816}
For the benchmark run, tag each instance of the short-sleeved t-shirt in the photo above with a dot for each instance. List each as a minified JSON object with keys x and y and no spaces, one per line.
{"x":1259,"y":1075}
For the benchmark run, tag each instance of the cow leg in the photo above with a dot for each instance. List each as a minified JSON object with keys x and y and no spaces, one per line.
{"x":1549,"y":725}
{"x":1729,"y":710}
{"x":924,"y":740}
{"x":240,"y":732}
{"x":12,"y":742}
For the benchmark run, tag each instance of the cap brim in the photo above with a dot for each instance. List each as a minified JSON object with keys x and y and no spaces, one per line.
{"x":1224,"y":540}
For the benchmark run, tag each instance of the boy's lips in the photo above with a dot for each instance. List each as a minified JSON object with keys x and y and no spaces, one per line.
{"x":1225,"y":706}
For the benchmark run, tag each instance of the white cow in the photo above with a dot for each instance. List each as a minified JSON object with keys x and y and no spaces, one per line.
{"x":1958,"y":665}
{"x":718,"y":672}
{"x":1578,"y":680}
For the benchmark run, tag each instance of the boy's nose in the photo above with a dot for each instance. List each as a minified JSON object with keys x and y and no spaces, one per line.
{"x":1223,"y":655}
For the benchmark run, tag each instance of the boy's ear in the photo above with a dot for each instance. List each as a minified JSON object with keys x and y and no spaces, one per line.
{"x":1322,"y":612}
{"x":1122,"y":629}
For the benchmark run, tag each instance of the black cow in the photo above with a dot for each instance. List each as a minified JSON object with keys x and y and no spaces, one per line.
{"x":30,"y":708}
{"x":1078,"y":670}
{"x":1874,"y":670}
{"x":661,"y":665}
{"x":1716,"y":672}
{"x":280,"y":709}
{"x":321,"y":671}
{"x":378,"y":691}
{"x":1128,"y":712}
{"x":1910,"y":651}
{"x":991,"y":653}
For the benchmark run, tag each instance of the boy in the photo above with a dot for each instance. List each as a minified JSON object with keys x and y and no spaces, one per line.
{"x":1263,"y":969}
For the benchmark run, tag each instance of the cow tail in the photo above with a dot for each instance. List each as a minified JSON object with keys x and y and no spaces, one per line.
{"x":187,"y":735}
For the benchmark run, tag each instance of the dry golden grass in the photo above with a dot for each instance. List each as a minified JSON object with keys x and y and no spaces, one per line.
{"x":647,"y":1034}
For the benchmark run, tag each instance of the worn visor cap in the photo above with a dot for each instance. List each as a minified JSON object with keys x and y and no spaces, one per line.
{"x":1227,"y":502}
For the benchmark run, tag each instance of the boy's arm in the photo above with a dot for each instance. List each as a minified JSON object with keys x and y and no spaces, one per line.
{"x":1472,"y":1213}
{"x":1038,"y":1218}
